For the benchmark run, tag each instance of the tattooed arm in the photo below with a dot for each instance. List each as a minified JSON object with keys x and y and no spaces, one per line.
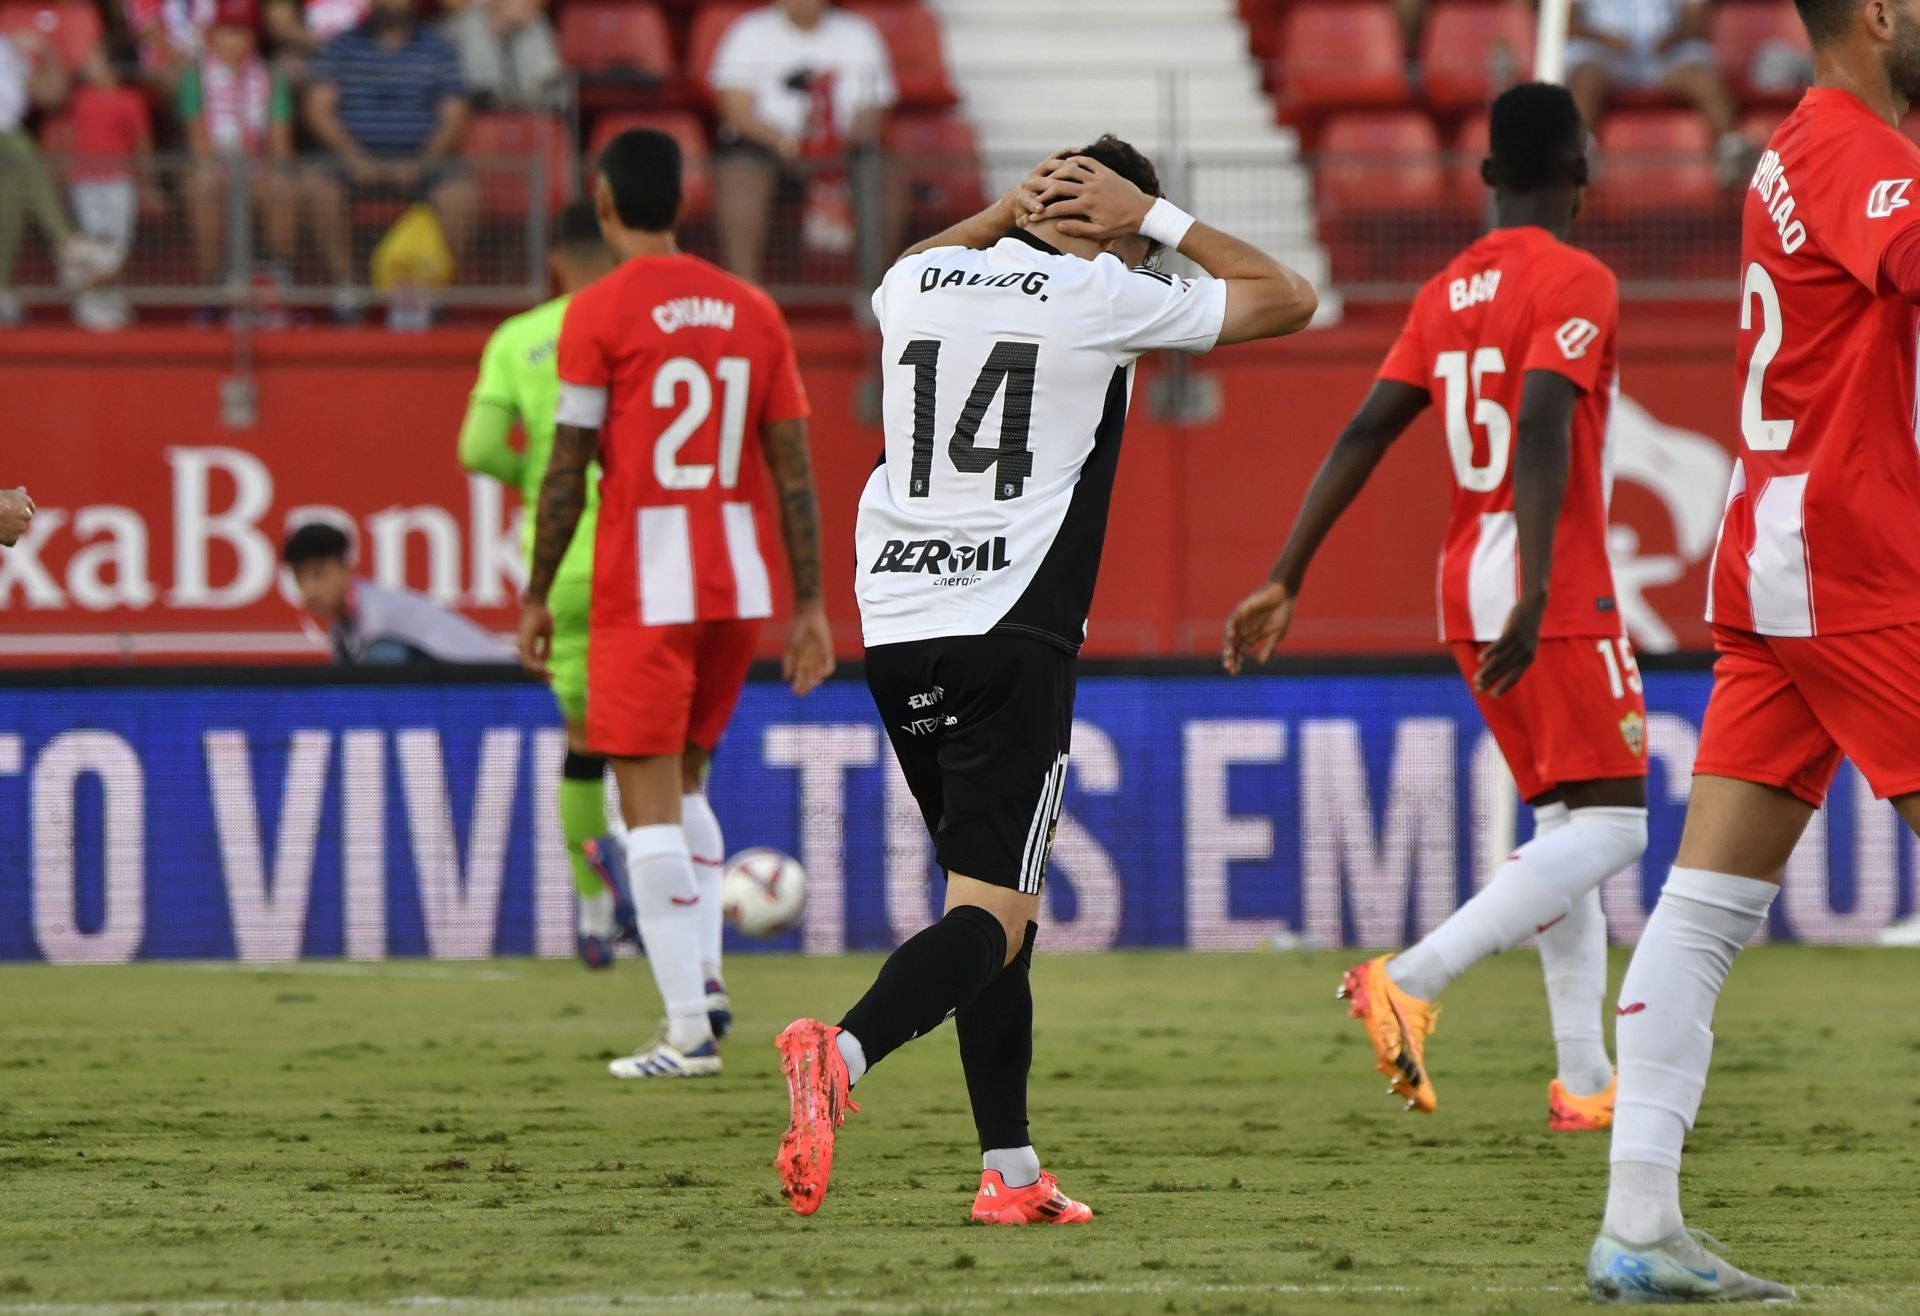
{"x":563,"y":494}
{"x":809,"y":656}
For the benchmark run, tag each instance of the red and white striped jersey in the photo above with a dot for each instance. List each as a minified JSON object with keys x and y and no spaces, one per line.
{"x":1515,"y":301}
{"x":679,"y":365}
{"x":1819,"y":531}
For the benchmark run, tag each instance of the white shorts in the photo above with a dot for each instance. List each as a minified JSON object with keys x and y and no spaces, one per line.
{"x":1642,"y":67}
{"x":105,"y":209}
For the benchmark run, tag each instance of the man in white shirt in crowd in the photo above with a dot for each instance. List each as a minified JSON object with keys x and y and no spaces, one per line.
{"x":378,"y":625}
{"x":1647,"y":45}
{"x":803,"y":89}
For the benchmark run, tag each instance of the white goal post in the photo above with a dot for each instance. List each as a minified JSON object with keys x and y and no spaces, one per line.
{"x":1550,"y":43}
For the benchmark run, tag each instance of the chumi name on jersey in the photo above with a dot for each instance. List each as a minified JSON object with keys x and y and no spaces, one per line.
{"x":1473,"y":290}
{"x":693,"y":313}
{"x":1770,"y":181}
{"x":1031,"y":282}
{"x":938,"y":557}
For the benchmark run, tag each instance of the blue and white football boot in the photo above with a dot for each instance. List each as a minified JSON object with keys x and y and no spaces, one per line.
{"x":662,"y":1059}
{"x":1678,"y":1268}
{"x":609,"y":862}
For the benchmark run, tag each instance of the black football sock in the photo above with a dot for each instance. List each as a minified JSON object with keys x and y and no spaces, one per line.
{"x":996,"y":1050}
{"x":934,"y":973}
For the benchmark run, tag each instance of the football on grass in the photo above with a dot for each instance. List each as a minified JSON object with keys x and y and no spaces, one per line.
{"x":763,"y":892}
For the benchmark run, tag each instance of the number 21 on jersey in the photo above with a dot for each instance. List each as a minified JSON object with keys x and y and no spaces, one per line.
{"x":683,"y":382}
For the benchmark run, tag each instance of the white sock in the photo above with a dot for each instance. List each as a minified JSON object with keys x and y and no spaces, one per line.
{"x":709,"y":847}
{"x":1573,"y":959}
{"x":853,"y":1054}
{"x":666,"y":898}
{"x":1664,"y":1034}
{"x":1019,"y":1167}
{"x":1573,"y":956}
{"x":596,"y":914}
{"x":1532,"y":890}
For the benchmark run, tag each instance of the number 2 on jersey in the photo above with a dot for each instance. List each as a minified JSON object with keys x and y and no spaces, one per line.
{"x":1761,"y":434}
{"x":685,"y":373}
{"x":1008,"y":364}
{"x":1452,"y":367}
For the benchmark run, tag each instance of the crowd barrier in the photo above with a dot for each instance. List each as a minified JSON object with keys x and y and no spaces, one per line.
{"x":269,"y":816}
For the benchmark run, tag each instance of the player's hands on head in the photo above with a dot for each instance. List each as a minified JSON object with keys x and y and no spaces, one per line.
{"x":1022,"y":200}
{"x":16,"y":515}
{"x":1257,"y":626}
{"x":809,"y":657}
{"x":536,"y":638}
{"x":1090,"y":201}
{"x":1506,"y":660}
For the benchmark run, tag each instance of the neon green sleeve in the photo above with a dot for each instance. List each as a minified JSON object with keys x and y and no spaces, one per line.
{"x":484,"y":446}
{"x":491,"y":411}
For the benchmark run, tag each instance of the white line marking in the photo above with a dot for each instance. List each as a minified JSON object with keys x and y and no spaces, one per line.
{"x":316,"y":969}
{"x":1838,"y":1297}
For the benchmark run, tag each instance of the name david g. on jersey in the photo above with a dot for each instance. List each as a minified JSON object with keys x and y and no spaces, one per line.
{"x":1031,"y":282}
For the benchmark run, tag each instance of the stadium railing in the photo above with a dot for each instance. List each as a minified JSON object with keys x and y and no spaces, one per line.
{"x":1369,"y":216}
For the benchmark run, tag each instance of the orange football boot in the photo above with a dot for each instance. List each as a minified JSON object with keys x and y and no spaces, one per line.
{"x":1039,"y":1203}
{"x":1568,"y":1112}
{"x":817,"y":1089}
{"x":1398,"y":1026}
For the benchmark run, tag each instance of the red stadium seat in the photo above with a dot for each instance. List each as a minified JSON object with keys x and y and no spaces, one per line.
{"x":1469,"y":149}
{"x":625,"y":40}
{"x":1338,"y":55}
{"x":710,"y":23}
{"x":942,"y":160}
{"x":683,"y":127}
{"x":1655,"y":160}
{"x":1386,"y":161}
{"x":1470,"y":52}
{"x":503,"y":147}
{"x":917,"y":50}
{"x":1742,"y":31}
{"x":1758,"y":126}
{"x":71,"y":27}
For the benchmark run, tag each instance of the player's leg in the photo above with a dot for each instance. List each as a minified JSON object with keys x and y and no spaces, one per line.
{"x":605,"y":913}
{"x":642,"y":679}
{"x":1577,"y":718}
{"x":960,"y":729}
{"x":1762,"y":768}
{"x":709,"y":847}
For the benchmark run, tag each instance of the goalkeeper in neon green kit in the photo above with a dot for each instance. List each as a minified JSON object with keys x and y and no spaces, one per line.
{"x":519,"y":382}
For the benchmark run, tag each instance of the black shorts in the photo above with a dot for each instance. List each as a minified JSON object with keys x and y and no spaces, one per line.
{"x":981,"y":725}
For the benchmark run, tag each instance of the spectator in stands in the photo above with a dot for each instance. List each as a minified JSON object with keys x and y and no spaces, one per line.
{"x":32,"y":77}
{"x":377,"y":624}
{"x":797,"y":82}
{"x":508,"y":53}
{"x":16,"y":515}
{"x":387,"y":101}
{"x":233,"y":108}
{"x":110,"y":175}
{"x":1643,"y":44}
{"x":167,"y":35}
{"x":296,"y":29}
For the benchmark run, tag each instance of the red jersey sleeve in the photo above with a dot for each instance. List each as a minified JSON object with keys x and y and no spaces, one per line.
{"x":1407,"y":360}
{"x":584,"y":364}
{"x":786,"y":396}
{"x":1572,"y":321}
{"x":1870,"y":198}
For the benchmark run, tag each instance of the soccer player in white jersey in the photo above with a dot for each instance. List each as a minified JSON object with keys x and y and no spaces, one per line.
{"x":1009,"y":344}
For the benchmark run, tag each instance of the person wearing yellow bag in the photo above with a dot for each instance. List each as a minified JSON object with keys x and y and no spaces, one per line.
{"x":386,"y":99}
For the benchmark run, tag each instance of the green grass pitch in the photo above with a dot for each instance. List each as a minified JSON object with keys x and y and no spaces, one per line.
{"x":348,"y":1138}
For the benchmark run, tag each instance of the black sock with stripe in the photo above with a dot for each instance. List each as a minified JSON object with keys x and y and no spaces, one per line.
{"x":996,"y":1050}
{"x":935,"y":973}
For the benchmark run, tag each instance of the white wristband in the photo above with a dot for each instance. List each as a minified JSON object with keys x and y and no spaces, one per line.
{"x":1166,"y":224}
